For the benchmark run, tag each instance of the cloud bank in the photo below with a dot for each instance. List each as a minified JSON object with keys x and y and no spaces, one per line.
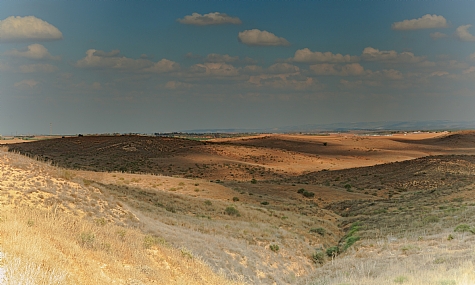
{"x":98,"y":59}
{"x":372,"y":54}
{"x":34,"y":51}
{"x":425,"y":22}
{"x":463,"y":34}
{"x":29,"y":28}
{"x":306,"y":55}
{"x":257,"y":37}
{"x":215,"y":18}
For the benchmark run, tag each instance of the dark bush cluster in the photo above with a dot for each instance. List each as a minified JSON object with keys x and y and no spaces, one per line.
{"x":306,"y":193}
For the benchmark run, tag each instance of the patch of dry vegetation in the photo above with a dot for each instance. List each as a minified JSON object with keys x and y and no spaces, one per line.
{"x":54,"y":230}
{"x":47,"y":247}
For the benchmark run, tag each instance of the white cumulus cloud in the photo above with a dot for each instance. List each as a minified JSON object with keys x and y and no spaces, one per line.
{"x":463,"y":34}
{"x":306,"y":55}
{"x":34,"y":51}
{"x":257,"y":37}
{"x":372,"y":54}
{"x":163,"y":66}
{"x":425,"y":22}
{"x":29,"y":28}
{"x":215,"y":18}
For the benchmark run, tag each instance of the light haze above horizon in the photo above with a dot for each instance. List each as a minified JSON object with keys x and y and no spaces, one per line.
{"x":163,"y":66}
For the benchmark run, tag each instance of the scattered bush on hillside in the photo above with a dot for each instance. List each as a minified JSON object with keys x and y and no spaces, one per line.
{"x":265,"y":203}
{"x":253,"y":181}
{"x":349,"y":241}
{"x":332,"y":251}
{"x":320,"y":231}
{"x":232,"y":211}
{"x":300,"y":191}
{"x":350,"y":238}
{"x":235,"y":199}
{"x":464,"y":228}
{"x":318,"y":256}
{"x":308,"y":194}
{"x":274,"y":247}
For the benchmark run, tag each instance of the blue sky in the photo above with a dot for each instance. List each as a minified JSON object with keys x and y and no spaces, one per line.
{"x":157,"y":66}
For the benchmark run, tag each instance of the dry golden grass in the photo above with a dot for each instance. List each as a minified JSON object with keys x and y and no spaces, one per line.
{"x":54,"y":230}
{"x":422,"y":260}
{"x":47,"y":247}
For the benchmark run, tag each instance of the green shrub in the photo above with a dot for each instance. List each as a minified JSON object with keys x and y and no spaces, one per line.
{"x":332,"y":251}
{"x":350,"y":238}
{"x":235,"y":199}
{"x":308,"y":194}
{"x":253,"y":181}
{"x":347,"y":186}
{"x":265,"y":203}
{"x":462,"y":228}
{"x":320,"y":231}
{"x":274,"y":247}
{"x":300,"y":191}
{"x":318,"y":256}
{"x":350,"y":241}
{"x":232,"y":211}
{"x":208,"y":203}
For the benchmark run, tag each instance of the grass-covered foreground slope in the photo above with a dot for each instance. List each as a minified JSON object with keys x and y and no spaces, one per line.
{"x":54,"y":230}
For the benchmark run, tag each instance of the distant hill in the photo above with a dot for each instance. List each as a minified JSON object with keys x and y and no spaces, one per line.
{"x":354,"y":126}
